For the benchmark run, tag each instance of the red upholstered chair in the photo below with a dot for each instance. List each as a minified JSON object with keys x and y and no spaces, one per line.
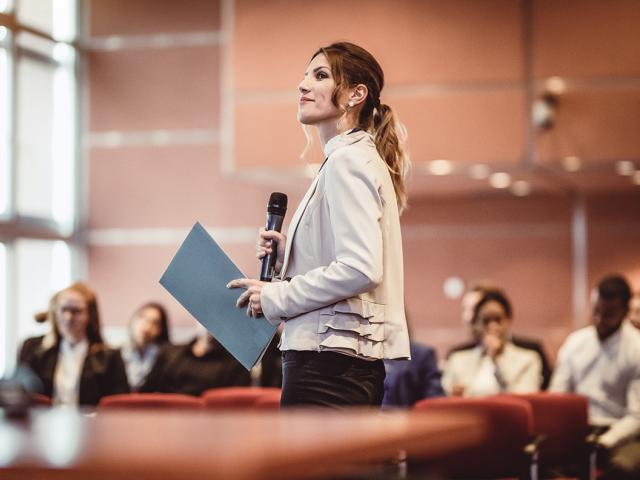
{"x":158,"y":401}
{"x":504,"y":452}
{"x":269,"y":401}
{"x":232,"y":398}
{"x":563,"y":420}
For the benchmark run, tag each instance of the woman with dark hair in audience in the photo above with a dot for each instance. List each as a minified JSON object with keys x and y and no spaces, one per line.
{"x":495,"y":364}
{"x":148,"y":332}
{"x":195,"y":367}
{"x":72,"y":361}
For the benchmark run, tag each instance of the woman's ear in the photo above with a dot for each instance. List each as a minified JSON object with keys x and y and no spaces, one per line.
{"x":358,"y":95}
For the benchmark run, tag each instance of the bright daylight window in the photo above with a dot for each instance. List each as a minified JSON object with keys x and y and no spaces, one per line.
{"x":3,"y":306}
{"x":4,"y":123}
{"x":38,"y":163}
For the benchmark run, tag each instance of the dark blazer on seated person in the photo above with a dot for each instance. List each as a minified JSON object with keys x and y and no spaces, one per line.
{"x":408,"y":381}
{"x":103,"y":371}
{"x":521,"y":342}
{"x":178,"y":370}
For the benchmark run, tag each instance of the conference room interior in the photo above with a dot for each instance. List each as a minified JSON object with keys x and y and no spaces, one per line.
{"x":125,"y":122}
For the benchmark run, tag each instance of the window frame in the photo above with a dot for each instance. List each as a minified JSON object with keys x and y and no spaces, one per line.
{"x":14,"y":226}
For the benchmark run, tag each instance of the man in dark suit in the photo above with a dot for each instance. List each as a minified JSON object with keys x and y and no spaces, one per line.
{"x":408,"y":381}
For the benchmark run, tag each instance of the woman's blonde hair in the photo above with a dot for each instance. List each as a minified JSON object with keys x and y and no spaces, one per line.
{"x":352,"y":65}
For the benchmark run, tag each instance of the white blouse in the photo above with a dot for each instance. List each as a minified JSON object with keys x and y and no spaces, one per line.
{"x":66,"y":379}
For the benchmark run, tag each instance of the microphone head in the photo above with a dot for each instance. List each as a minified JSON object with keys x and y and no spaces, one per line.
{"x":277,"y":204}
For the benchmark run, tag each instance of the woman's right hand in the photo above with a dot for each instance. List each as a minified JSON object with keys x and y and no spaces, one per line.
{"x":264,"y":245}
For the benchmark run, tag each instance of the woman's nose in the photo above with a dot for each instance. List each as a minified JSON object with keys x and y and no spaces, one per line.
{"x":302,"y":88}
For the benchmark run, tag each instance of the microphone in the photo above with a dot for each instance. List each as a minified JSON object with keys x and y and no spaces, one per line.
{"x":275,"y":216}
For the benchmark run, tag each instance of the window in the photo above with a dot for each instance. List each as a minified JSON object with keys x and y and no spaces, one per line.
{"x":45,"y":111}
{"x":3,"y":307}
{"x":56,"y":18}
{"x":38,"y":164}
{"x":43,"y":267}
{"x":4,"y":123}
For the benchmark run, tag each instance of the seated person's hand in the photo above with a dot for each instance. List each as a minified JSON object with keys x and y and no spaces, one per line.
{"x":457,"y":390}
{"x":493,"y":344}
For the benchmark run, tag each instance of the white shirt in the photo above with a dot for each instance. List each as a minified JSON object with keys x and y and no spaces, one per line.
{"x":608,"y":374}
{"x":138,"y":364}
{"x":516,"y":370}
{"x":66,"y":378}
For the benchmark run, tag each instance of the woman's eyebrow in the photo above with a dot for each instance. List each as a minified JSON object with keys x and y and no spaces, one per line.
{"x":317,"y":69}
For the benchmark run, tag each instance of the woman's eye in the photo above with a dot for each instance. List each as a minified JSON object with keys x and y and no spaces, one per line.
{"x":321,"y":75}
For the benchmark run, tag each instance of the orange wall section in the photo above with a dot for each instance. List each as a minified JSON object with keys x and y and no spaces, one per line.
{"x":170,"y":186}
{"x":414,"y":40}
{"x":143,"y":17}
{"x":146,"y":89}
{"x":582,"y":38}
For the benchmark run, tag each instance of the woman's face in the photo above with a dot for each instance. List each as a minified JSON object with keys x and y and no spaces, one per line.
{"x":316,"y":88}
{"x":146,"y":326}
{"x":72,"y":316}
{"x":492,"y":319}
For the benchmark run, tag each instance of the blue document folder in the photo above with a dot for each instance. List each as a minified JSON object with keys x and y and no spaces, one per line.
{"x":197,"y":277}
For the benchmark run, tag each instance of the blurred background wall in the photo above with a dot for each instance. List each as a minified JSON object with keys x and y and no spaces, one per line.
{"x":188,"y":114}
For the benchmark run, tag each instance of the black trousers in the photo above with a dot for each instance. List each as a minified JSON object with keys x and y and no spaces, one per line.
{"x":329,"y":379}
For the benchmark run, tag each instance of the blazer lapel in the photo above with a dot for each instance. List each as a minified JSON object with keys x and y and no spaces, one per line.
{"x":295,"y":222}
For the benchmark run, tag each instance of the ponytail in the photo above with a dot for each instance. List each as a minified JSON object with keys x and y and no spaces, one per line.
{"x":389,"y":136}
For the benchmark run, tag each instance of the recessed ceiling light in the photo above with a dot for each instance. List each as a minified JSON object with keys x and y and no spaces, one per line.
{"x":453,"y":287}
{"x":625,"y":167}
{"x":440,"y":167}
{"x":479,"y":171}
{"x":521,"y":188}
{"x":572,"y":163}
{"x":500,"y":180}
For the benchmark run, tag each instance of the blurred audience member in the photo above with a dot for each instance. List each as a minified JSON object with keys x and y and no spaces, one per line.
{"x":495,"y":364}
{"x":268,"y":372}
{"x":469,"y":300}
{"x":32,"y":343}
{"x":408,"y":381}
{"x":602,"y":362}
{"x":148,"y":331}
{"x":195,"y":367}
{"x":72,"y":362}
{"x":634,"y":310}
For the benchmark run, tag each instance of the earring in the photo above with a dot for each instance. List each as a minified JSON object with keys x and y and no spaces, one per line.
{"x":350,"y":103}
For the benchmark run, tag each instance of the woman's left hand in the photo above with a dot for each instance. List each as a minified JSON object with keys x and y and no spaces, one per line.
{"x":250,"y":297}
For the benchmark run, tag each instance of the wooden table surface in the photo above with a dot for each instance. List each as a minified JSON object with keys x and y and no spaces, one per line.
{"x":62,"y":443}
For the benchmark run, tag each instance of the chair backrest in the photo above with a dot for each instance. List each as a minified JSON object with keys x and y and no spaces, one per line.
{"x":501,"y":453}
{"x":563,"y":419}
{"x":269,"y":401}
{"x":235,"y":398}
{"x":156,"y":401}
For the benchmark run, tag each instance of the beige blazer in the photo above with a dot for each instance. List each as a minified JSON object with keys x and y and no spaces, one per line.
{"x":344,"y":260}
{"x":516,"y":370}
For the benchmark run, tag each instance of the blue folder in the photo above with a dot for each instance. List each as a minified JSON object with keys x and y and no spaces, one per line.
{"x":197,"y":277}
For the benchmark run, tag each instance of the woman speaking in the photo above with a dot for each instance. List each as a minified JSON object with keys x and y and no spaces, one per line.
{"x":340,"y":293}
